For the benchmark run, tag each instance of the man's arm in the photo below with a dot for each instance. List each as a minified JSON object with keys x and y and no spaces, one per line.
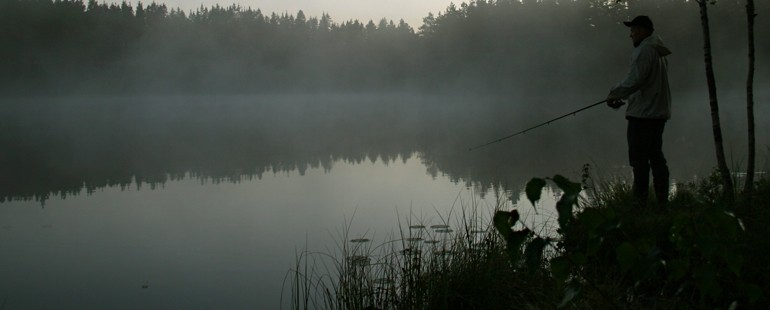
{"x":637,"y":74}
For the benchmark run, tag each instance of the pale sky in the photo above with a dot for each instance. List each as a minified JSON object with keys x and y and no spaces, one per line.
{"x":412,"y":11}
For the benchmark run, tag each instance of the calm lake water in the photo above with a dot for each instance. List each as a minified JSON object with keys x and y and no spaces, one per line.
{"x":202,"y":244}
{"x":204,"y":202}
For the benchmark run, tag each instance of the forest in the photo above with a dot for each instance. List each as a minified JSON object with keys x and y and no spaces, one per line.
{"x":59,"y":47}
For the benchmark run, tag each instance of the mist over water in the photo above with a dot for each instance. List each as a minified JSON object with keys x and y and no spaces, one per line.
{"x":65,"y":146}
{"x":201,"y":150}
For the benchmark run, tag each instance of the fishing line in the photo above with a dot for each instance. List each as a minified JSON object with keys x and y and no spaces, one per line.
{"x":539,"y":125}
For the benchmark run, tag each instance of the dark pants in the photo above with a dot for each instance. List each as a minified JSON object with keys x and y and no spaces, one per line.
{"x":645,"y":153}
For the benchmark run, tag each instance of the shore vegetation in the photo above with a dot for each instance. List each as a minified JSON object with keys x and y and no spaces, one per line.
{"x":602,"y":251}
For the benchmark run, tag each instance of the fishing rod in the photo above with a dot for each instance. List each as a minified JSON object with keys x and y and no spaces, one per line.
{"x":542,"y":124}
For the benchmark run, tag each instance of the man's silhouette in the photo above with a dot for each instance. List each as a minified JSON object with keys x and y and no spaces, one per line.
{"x":649,"y":107}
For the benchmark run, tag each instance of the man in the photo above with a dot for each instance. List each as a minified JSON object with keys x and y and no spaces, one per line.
{"x":649,"y":107}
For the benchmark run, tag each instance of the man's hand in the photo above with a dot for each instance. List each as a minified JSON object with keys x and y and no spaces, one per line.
{"x":615,"y":103}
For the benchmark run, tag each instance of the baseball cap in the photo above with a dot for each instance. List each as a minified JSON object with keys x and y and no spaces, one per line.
{"x":641,"y":21}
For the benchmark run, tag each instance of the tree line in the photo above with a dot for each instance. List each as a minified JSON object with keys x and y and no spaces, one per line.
{"x":72,"y":46}
{"x":153,"y":48}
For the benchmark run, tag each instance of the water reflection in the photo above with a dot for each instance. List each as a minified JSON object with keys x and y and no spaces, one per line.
{"x":65,"y":146}
{"x":206,"y":245}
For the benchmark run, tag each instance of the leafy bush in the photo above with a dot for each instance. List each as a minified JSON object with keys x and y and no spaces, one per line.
{"x":696,"y":252}
{"x":691,"y":253}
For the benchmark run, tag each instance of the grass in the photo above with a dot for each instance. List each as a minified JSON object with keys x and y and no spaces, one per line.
{"x":697,"y":252}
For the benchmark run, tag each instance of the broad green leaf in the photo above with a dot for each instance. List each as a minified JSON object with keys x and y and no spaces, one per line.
{"x":568,"y":199}
{"x":594,"y":244}
{"x":502,"y":223}
{"x":740,"y":224}
{"x":754,"y":292}
{"x":569,"y":187}
{"x":517,"y":238}
{"x":590,"y":219}
{"x":734,"y":262}
{"x":627,"y":256}
{"x":608,"y":226}
{"x":707,"y":245}
{"x":514,"y":242}
{"x":706,"y":279}
{"x":533,"y":254}
{"x":724,"y":224}
{"x":646,"y":267}
{"x":579,"y":258}
{"x":560,"y":268}
{"x":647,"y":247}
{"x":570,"y":292}
{"x":514,"y":217}
{"x":534,"y":189}
{"x":653,"y":252}
{"x":564,"y":208}
{"x":678,"y":268}
{"x":731,"y":225}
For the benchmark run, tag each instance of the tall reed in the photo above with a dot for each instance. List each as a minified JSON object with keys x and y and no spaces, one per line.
{"x":457,"y":262}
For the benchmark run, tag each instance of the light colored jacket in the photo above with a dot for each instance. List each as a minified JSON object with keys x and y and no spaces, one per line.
{"x":646,"y":85}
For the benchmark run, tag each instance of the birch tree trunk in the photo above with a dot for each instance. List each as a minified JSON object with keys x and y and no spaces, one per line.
{"x":724,"y":171}
{"x":749,"y":186}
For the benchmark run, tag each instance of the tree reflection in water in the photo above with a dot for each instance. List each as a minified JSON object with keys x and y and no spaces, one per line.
{"x":67,"y":146}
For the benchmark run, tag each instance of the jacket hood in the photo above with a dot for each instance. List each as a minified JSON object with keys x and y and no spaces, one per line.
{"x":657,"y":42}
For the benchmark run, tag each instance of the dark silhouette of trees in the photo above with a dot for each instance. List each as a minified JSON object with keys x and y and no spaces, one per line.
{"x":115,"y":47}
{"x":482,"y":45}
